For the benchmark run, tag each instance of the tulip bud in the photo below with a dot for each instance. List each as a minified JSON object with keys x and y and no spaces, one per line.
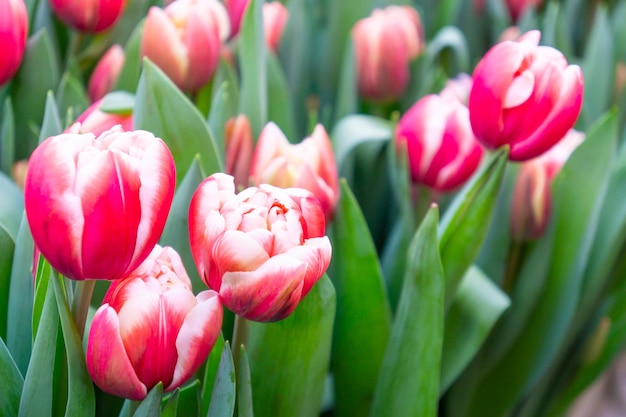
{"x":150,"y":329}
{"x":238,"y":141}
{"x":13,"y":35}
{"x":184,"y":40}
{"x":275,"y":16}
{"x":96,"y":206}
{"x":106,"y":72}
{"x":262,"y":249}
{"x":518,"y":7}
{"x":442,"y":150}
{"x":309,"y":164}
{"x":524,"y":96}
{"x":236,"y":9}
{"x":93,"y":120}
{"x":532,"y":202}
{"x":458,"y":88}
{"x":88,"y":15}
{"x":385,"y":43}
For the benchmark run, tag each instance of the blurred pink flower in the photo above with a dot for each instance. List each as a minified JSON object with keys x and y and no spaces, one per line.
{"x":106,"y":73}
{"x":13,"y":35}
{"x":275,"y":17}
{"x":88,"y":15}
{"x":93,"y":120}
{"x":239,"y":143}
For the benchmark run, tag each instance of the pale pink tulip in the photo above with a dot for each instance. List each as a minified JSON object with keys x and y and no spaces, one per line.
{"x":275,"y":17}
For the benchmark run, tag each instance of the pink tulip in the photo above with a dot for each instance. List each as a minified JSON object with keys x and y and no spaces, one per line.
{"x":96,"y":206}
{"x":106,"y":73}
{"x":275,"y":17}
{"x":13,"y":35}
{"x":150,"y":329}
{"x":442,"y":150}
{"x":238,"y":141}
{"x":262,"y":249}
{"x":93,"y":120}
{"x":88,"y":15}
{"x":518,"y":7}
{"x":524,"y":96}
{"x":309,"y":164}
{"x":385,"y":43}
{"x":532,"y":202}
{"x":184,"y":40}
{"x":458,"y":88}
{"x":236,"y":9}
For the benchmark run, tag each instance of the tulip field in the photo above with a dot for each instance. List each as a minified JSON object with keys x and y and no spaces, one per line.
{"x":311,"y":208}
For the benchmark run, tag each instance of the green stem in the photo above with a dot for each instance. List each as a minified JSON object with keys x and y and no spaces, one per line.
{"x":81,"y":302}
{"x":76,"y":42}
{"x":513,"y":262}
{"x":240,"y":337}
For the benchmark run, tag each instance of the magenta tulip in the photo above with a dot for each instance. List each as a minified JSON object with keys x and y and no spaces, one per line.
{"x":96,"y":206}
{"x":262,"y":249}
{"x":524,"y":96}
{"x":236,"y":9}
{"x":151,"y":328}
{"x":13,"y":35}
{"x":88,"y":15}
{"x":518,"y":7}
{"x":106,"y":73}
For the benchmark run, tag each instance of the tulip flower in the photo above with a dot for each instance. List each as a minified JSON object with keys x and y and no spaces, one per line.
{"x":236,"y":9}
{"x":309,"y":164}
{"x":524,"y":96}
{"x":106,"y":73}
{"x":518,"y":7}
{"x":442,"y":150}
{"x":385,"y":43}
{"x":96,"y":206}
{"x":93,"y":120}
{"x":185,"y":39}
{"x":151,"y":328}
{"x":262,"y":249}
{"x":13,"y":35}
{"x":88,"y":15}
{"x":275,"y":16}
{"x":239,"y":143}
{"x":458,"y":88}
{"x":532,"y":202}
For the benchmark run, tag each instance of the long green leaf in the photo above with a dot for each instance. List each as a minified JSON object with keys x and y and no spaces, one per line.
{"x":210,"y":372}
{"x":131,"y":71}
{"x":51,"y":124}
{"x":279,"y":102}
{"x":11,"y":383}
{"x":244,"y":389}
{"x":151,"y":405}
{"x":223,"y":396}
{"x":7,"y":137}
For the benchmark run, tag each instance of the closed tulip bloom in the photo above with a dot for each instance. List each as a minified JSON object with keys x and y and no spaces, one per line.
{"x":151,"y":328}
{"x":385,"y":43}
{"x":309,"y":164}
{"x":275,"y":17}
{"x":518,"y":7}
{"x":185,"y":39}
{"x":525,"y":96}
{"x":262,"y":249}
{"x":88,"y":15}
{"x":532,"y":198}
{"x":93,"y":120}
{"x":13,"y":35}
{"x":442,"y":150}
{"x":96,"y":206}
{"x":238,"y":141}
{"x":236,"y":9}
{"x":106,"y":73}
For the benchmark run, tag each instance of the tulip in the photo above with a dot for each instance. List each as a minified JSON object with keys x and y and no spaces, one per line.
{"x":309,"y":164}
{"x":518,"y":7}
{"x":184,"y":40}
{"x":532,"y":202}
{"x":88,"y":15}
{"x":13,"y":35}
{"x":275,"y":16}
{"x":150,"y":329}
{"x":236,"y":9}
{"x":385,"y":43}
{"x":96,"y":206}
{"x":106,"y":73}
{"x":458,"y":88}
{"x":262,"y":249}
{"x":239,"y":143}
{"x":93,"y":120}
{"x":442,"y":150}
{"x":524,"y":96}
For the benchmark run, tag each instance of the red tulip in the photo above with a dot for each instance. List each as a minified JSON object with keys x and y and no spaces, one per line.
{"x":532,"y":201}
{"x":524,"y":96}
{"x":96,"y":206}
{"x":106,"y":73}
{"x":275,"y":17}
{"x":93,"y":120}
{"x":150,"y":329}
{"x":236,"y":9}
{"x":309,"y":164}
{"x":238,"y":141}
{"x":385,"y":43}
{"x":442,"y":150}
{"x":88,"y":15}
{"x":13,"y":35}
{"x":262,"y":249}
{"x":518,"y":7}
{"x":184,"y":40}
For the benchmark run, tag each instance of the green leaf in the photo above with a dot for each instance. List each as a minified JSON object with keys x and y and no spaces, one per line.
{"x":279,"y":103}
{"x":253,"y":99}
{"x":7,"y":137}
{"x":363,"y":316}
{"x":289,"y":359}
{"x":129,"y":75}
{"x":348,"y":95}
{"x":223,"y":396}
{"x":118,"y":102}
{"x":7,"y":247}
{"x":244,"y":390}
{"x":151,"y":405}
{"x":476,"y":307}
{"x":466,"y":222}
{"x":11,"y":383}
{"x":51,"y":124}
{"x":224,"y":102}
{"x":163,"y":109}
{"x":417,"y":333}
{"x":210,"y":372}
{"x":71,"y":95}
{"x":187,"y":404}
{"x":169,"y":409}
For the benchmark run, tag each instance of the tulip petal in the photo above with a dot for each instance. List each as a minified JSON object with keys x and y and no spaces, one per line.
{"x":236,"y":251}
{"x":316,"y":254}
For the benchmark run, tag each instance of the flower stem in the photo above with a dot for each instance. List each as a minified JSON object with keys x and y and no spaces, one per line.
{"x":513,"y":261}
{"x":240,"y":337}
{"x":81,"y":302}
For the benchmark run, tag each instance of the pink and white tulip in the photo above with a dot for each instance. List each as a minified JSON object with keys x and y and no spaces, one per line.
{"x":93,"y":120}
{"x":151,"y":328}
{"x":275,"y":16}
{"x":262,"y":249}
{"x":13,"y":35}
{"x":525,"y":96}
{"x":238,"y":142}
{"x":88,"y":15}
{"x":96,"y":206}
{"x":106,"y":73}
